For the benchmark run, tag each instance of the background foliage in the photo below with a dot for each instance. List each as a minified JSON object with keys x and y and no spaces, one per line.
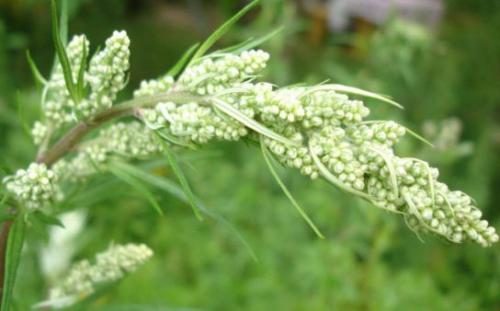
{"x":370,"y":260}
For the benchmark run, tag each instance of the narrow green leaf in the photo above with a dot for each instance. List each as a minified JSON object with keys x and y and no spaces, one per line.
{"x":34,"y":69}
{"x":223,"y":29}
{"x":419,"y":137}
{"x":250,"y":123}
{"x":153,"y":180}
{"x":413,"y":133}
{"x":61,"y":53}
{"x":267,"y":158}
{"x":15,"y":243}
{"x":175,"y":190}
{"x":134,"y":183}
{"x":63,"y":22}
{"x":181,"y":64}
{"x":80,"y":82}
{"x":251,"y":43}
{"x":176,"y":168}
{"x":355,"y":91}
{"x":48,"y":219}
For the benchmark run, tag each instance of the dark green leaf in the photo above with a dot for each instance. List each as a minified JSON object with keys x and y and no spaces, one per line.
{"x":172,"y":159}
{"x":12,"y":258}
{"x":34,"y":70}
{"x":137,"y":185}
{"x":61,"y":53}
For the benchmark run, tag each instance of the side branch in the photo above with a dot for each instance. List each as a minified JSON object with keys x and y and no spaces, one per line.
{"x":79,"y":131}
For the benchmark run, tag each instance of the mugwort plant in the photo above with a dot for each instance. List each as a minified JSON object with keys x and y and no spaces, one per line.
{"x":323,"y":131}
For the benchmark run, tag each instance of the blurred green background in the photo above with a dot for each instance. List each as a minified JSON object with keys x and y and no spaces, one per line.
{"x":448,"y":79}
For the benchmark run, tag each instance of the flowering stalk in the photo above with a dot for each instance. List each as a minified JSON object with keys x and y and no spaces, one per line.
{"x":86,"y":277}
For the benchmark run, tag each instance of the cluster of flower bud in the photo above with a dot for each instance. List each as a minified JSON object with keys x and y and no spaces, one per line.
{"x":106,"y":74}
{"x":213,"y":74}
{"x":386,"y":133}
{"x":33,"y":187}
{"x":39,"y":132}
{"x":327,"y":107}
{"x":294,"y":156}
{"x":284,"y":106}
{"x":427,"y":203}
{"x":155,"y":86}
{"x":105,"y":77}
{"x":339,"y":156}
{"x":130,"y":140}
{"x":85,"y":277}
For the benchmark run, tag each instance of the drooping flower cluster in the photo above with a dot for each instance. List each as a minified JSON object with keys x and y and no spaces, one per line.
{"x":108,"y":266}
{"x":324,"y":134}
{"x":34,"y":187}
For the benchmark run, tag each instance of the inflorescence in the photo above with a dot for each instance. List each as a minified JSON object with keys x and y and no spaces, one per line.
{"x":109,"y":266}
{"x":34,"y":187}
{"x":318,"y":130}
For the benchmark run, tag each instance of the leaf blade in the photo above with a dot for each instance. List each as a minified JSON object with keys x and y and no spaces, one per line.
{"x":296,"y":205}
{"x":34,"y":69}
{"x":136,"y":185}
{"x":252,"y":43}
{"x":174,"y":189}
{"x":15,"y":243}
{"x":176,"y":168}
{"x":219,"y":32}
{"x":250,"y":123}
{"x":357,"y":91}
{"x":61,"y":53}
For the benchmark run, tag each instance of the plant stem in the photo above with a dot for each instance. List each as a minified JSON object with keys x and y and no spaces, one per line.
{"x":4,"y":236}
